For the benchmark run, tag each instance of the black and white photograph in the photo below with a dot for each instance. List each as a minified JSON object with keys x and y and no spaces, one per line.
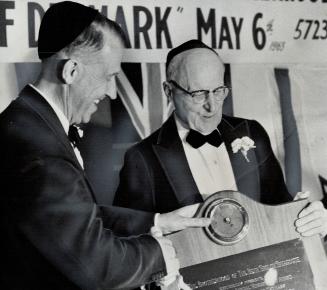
{"x":163,"y":144}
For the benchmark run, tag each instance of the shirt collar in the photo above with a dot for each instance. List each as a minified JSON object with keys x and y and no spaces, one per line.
{"x":61,"y":116}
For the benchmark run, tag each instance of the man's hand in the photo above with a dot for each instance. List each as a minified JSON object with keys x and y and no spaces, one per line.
{"x":312,"y":220}
{"x":180,"y":219}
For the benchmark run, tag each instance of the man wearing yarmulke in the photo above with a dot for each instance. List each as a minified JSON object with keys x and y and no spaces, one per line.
{"x":199,"y":151}
{"x":54,"y":235}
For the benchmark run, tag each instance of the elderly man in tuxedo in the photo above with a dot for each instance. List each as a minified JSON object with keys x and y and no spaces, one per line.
{"x":54,"y":234}
{"x":199,"y":151}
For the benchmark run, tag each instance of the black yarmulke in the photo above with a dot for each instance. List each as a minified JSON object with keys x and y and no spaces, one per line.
{"x":193,"y":43}
{"x":60,"y":26}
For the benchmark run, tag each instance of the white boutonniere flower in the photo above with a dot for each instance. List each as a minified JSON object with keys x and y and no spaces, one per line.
{"x":244,"y":144}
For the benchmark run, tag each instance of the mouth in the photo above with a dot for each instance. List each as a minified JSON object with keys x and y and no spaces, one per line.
{"x":209,"y":116}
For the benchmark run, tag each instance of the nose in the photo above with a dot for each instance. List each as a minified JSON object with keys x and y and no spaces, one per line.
{"x":210,"y":104}
{"x":111,"y":90}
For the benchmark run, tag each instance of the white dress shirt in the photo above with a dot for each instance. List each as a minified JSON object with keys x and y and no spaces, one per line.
{"x":63,"y":120}
{"x":210,"y":166}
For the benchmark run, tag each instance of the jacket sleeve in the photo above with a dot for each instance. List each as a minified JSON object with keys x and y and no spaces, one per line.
{"x":135,"y":189}
{"x":58,"y":216}
{"x":274,"y":190}
{"x":125,"y":221}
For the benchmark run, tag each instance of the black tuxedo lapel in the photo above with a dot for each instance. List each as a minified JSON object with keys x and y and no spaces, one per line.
{"x":41,"y":107}
{"x":170,"y":153}
{"x":169,"y":150}
{"x":246,"y":173}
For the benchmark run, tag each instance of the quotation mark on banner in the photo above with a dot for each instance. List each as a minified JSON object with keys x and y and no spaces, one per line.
{"x":180,"y":9}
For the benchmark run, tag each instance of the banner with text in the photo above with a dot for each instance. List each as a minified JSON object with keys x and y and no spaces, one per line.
{"x":242,"y":31}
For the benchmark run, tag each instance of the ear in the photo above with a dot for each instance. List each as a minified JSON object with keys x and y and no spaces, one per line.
{"x":168,"y":90}
{"x":69,"y":71}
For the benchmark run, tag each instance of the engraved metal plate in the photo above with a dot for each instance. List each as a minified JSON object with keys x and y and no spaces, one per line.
{"x":230,"y":221}
{"x":252,"y":269}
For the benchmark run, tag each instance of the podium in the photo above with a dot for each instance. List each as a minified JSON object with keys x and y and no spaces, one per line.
{"x":250,"y":245}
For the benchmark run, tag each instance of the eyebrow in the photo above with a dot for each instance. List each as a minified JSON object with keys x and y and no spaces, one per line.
{"x":201,"y":90}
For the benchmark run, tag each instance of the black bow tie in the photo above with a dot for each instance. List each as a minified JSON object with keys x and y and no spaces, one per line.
{"x":73,"y":135}
{"x":196,"y":139}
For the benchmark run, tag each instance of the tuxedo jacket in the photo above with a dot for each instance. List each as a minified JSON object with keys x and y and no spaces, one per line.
{"x":53,"y":233}
{"x":156,"y":177}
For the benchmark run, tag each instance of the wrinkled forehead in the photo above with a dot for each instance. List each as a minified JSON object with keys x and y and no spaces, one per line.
{"x":199,"y":63}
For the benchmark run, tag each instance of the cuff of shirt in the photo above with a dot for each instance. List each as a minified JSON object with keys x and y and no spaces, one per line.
{"x":156,"y":230}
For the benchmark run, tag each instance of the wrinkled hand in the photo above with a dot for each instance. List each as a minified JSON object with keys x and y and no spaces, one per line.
{"x":312,"y":220}
{"x":181,"y":219}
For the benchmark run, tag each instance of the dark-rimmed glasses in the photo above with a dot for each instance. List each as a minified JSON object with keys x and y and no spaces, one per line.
{"x":200,"y":96}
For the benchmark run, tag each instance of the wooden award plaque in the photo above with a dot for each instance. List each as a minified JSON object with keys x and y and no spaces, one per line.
{"x":250,"y":245}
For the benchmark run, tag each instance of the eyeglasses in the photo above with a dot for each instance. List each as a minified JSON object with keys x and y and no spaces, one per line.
{"x":200,"y":96}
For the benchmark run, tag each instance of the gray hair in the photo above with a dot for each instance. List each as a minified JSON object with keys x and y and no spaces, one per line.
{"x":92,"y":38}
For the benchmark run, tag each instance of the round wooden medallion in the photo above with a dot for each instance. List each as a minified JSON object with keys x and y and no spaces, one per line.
{"x":230,"y":221}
